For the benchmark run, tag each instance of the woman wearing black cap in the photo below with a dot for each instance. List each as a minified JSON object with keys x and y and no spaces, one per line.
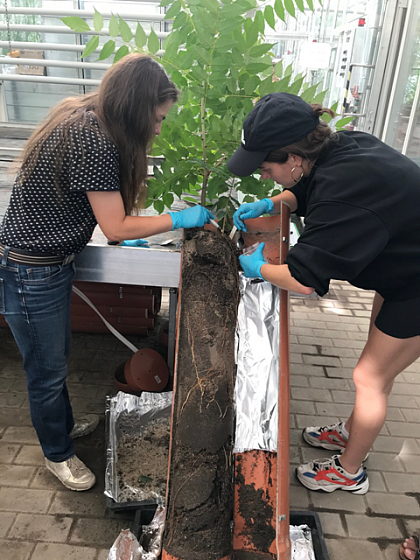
{"x":85,"y":164}
{"x":361,"y":200}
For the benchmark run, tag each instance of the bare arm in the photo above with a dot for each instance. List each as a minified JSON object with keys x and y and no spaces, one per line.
{"x":287,"y":197}
{"x":280,"y":276}
{"x":109,"y":212}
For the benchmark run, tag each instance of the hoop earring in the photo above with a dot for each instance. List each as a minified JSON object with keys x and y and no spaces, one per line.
{"x":291,"y":175}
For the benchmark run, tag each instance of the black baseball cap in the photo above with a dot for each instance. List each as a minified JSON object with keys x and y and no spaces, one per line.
{"x":276,"y":121}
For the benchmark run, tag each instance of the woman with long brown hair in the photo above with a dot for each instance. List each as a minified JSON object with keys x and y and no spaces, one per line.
{"x":361,"y":200}
{"x":85,"y":165}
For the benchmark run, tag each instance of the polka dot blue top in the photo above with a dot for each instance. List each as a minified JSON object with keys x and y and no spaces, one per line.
{"x":40,"y":219}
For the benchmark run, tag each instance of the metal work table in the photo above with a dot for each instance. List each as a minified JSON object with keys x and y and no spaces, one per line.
{"x":158,"y":265}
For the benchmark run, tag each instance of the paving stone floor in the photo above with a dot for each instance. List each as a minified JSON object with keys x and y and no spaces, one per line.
{"x":41,"y":520}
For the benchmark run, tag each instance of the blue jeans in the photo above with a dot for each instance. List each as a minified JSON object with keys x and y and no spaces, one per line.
{"x":35,"y":302}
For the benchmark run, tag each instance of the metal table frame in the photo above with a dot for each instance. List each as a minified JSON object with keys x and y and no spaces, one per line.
{"x":99,"y":262}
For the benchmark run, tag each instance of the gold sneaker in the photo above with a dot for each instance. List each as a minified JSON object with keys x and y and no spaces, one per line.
{"x":73,"y":473}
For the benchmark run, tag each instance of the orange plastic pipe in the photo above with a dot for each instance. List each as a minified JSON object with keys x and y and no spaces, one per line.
{"x":254,"y":528}
{"x":283,"y":433}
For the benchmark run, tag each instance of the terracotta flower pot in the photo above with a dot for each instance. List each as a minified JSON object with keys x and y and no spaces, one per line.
{"x":120,"y":383}
{"x":265,"y":230}
{"x":147,"y":371}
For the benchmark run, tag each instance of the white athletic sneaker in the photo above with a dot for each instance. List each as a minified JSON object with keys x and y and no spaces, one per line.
{"x":327,"y":475}
{"x":329,"y":437}
{"x":73,"y":473}
{"x":84,"y":425}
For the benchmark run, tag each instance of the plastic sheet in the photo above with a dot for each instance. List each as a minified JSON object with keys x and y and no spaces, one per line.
{"x":130,"y":415}
{"x":127,"y":547}
{"x":151,"y":538}
{"x":257,"y":358}
{"x":302,"y":545}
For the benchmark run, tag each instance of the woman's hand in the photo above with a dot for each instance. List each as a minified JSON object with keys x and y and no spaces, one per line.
{"x":252,"y":210}
{"x":135,"y":243}
{"x":251,"y":264}
{"x":196,"y":216}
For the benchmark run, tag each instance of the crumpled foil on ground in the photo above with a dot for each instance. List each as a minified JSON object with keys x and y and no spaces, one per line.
{"x":129,"y":414}
{"x":127,"y":547}
{"x":151,"y":538}
{"x":301,"y":542}
{"x":257,"y":358}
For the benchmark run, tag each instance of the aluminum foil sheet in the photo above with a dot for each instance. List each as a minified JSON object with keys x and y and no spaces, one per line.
{"x":302,"y":544}
{"x":129,"y":414}
{"x":257,"y":358}
{"x":127,"y":547}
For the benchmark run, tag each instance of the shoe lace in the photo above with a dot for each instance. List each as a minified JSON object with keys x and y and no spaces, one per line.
{"x":329,"y":428}
{"x":75,"y":465}
{"x":323,"y":464}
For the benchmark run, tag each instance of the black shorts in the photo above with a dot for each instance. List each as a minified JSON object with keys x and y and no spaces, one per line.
{"x":400,"y":319}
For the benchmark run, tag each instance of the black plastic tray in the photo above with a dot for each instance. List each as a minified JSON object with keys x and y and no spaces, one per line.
{"x":130,"y":506}
{"x":145,"y":515}
{"x":142,"y":517}
{"x":311,"y":519}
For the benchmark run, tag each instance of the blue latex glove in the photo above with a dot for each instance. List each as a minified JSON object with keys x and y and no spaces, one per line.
{"x":196,"y":216}
{"x":251,"y":264}
{"x":135,"y":243}
{"x":252,"y":210}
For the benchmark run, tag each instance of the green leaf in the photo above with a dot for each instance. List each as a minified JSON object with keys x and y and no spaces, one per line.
{"x":278,"y":69}
{"x":165,"y":3}
{"x":279,"y":9}
{"x":121,"y":52}
{"x":252,"y":34}
{"x":91,"y":46}
{"x":256,"y":67}
{"x":289,"y":70}
{"x":98,"y":21}
{"x":140,"y":37}
{"x":342,"y":122}
{"x":269,"y":17}
{"x":180,"y":20}
{"x":259,"y":20}
{"x":114,"y":28}
{"x":168,"y":199}
{"x":125,"y":31}
{"x":259,"y":50}
{"x":334,"y":107}
{"x":153,"y":42}
{"x":290,"y":7}
{"x":320,"y":97}
{"x":310,"y":4}
{"x":300,"y":5}
{"x":266,"y":86}
{"x":173,"y":10}
{"x":295,"y":86}
{"x":159,"y":206}
{"x":143,"y":478}
{"x":76,"y":23}
{"x":107,"y":50}
{"x":251,"y":85}
{"x":309,"y":93}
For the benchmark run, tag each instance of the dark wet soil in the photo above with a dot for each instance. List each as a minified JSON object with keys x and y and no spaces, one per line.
{"x":200,"y":504}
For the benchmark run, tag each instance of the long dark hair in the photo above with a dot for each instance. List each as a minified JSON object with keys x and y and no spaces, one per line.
{"x":312,"y":145}
{"x":125,"y":105}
